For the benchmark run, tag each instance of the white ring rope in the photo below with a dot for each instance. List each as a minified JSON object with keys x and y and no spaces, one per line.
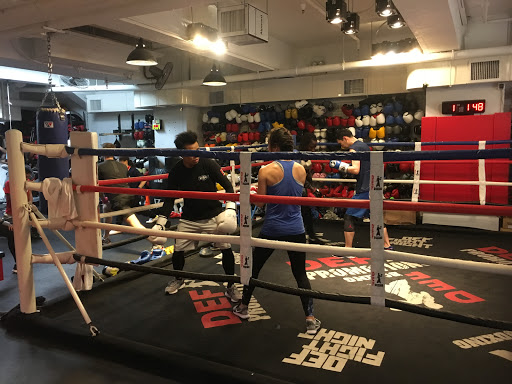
{"x":324,"y":249}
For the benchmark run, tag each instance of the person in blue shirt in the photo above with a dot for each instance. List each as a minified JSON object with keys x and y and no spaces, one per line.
{"x":361,"y":171}
{"x":283,"y":222}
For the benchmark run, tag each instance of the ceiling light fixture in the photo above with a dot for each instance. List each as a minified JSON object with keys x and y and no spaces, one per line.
{"x":405,"y":47}
{"x":205,"y":38}
{"x":396,"y":21}
{"x":385,"y":8}
{"x":336,"y":11}
{"x":351,"y":27}
{"x":214,"y":78}
{"x":141,"y":56}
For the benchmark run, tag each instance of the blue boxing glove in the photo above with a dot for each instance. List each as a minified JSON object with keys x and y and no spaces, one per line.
{"x":339,"y":165}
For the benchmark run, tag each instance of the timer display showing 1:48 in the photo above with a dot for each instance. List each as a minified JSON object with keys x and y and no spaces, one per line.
{"x":465,"y":107}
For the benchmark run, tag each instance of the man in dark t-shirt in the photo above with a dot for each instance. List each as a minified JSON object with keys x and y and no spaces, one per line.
{"x":133,"y":172}
{"x":199,"y":215}
{"x":361,"y":171}
{"x":113,"y":169}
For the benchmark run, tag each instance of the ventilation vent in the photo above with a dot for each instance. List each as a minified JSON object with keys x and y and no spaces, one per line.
{"x":242,"y":24}
{"x":355,"y":86}
{"x":232,"y":21}
{"x":217,"y":97}
{"x":95,"y":105}
{"x":485,"y":70}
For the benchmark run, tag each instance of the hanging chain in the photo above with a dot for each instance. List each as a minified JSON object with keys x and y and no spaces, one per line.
{"x":61,"y":111}
{"x":50,"y":65}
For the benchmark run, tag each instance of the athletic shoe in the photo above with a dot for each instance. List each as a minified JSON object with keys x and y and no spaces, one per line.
{"x":242,"y":313}
{"x":390,"y":248}
{"x":174,"y":286}
{"x":14,"y":269}
{"x":233,"y":294}
{"x":106,"y":241}
{"x":312,"y":326}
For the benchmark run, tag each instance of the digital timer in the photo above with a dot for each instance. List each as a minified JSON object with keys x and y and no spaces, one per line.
{"x":464,"y":107}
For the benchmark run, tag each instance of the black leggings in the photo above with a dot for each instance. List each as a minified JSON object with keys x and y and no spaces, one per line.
{"x":228,"y":261}
{"x":5,"y":232}
{"x":298,"y":262}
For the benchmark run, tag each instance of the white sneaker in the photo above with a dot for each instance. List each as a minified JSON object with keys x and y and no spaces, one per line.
{"x":233,"y":294}
{"x":174,"y":286}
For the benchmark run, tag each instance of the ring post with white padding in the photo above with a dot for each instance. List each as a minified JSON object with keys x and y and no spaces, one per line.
{"x":87,"y":240}
{"x":20,"y":221}
{"x":378,"y":273}
{"x":245,"y":218}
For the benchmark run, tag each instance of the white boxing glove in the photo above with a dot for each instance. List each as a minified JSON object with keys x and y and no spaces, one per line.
{"x":160,"y":223}
{"x":306,"y":164}
{"x":339,"y":165}
{"x":227,"y":220}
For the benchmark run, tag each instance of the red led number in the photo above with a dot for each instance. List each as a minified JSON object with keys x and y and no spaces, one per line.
{"x":480,"y":107}
{"x":453,"y":107}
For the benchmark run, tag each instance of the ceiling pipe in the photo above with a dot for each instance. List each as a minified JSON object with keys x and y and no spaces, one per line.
{"x":314,"y":70}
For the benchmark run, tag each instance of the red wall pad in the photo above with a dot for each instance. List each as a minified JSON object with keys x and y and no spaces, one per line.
{"x":464,"y":128}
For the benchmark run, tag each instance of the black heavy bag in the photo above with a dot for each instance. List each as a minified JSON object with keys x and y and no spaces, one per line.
{"x":52,"y":128}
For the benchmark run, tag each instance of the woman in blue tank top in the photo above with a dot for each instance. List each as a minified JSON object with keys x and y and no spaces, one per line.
{"x":283,"y":222}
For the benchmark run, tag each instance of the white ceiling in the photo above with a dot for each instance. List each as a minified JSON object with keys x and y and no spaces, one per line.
{"x":294,"y":36}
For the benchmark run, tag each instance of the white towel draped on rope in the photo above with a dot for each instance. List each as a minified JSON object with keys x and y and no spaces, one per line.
{"x":59,"y":194}
{"x":83,"y":277}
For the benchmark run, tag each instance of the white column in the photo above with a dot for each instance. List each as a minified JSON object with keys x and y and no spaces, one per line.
{"x":417,"y":169}
{"x":482,"y":188}
{"x":378,"y":293}
{"x":20,"y":218}
{"x":245,"y":218}
{"x":84,"y":172}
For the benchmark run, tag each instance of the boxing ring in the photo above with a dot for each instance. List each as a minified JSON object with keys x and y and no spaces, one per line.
{"x":326,"y":354}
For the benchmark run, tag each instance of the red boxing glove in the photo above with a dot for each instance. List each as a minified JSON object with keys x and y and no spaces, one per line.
{"x":257,"y":136}
{"x":316,"y":167}
{"x":301,"y":125}
{"x":344,"y":193}
{"x":395,"y":194}
{"x":240,"y":137}
{"x":251,"y":136}
{"x":336,"y":121}
{"x":351,"y":194}
{"x":351,"y":121}
{"x":347,"y":110}
{"x":228,"y":127}
{"x":344,"y":122}
{"x":324,"y":190}
{"x":310,"y":128}
{"x":329,"y":121}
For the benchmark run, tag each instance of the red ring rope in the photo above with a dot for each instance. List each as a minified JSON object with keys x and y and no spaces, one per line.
{"x":162,"y":176}
{"x":312,"y":201}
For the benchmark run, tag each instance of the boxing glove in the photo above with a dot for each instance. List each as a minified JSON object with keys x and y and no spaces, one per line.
{"x":339,"y":165}
{"x":160,"y":223}
{"x":306,"y":164}
{"x":227,"y":220}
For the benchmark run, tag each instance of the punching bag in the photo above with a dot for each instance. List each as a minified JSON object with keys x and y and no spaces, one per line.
{"x":51,"y":128}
